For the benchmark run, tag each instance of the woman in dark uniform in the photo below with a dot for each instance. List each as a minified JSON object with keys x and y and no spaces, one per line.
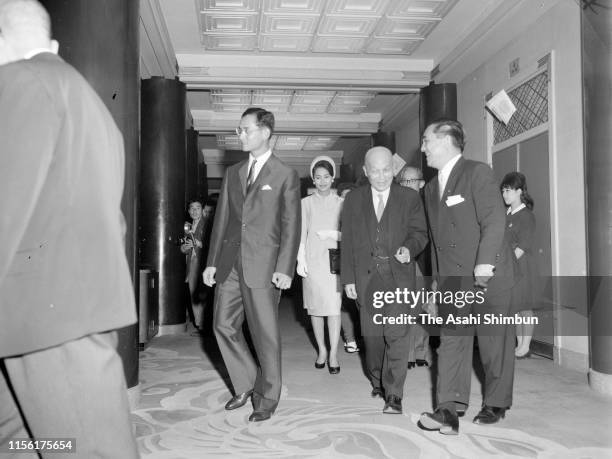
{"x":520,"y":224}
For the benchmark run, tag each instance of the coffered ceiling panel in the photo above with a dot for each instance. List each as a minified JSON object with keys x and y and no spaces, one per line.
{"x":318,"y":26}
{"x":292,"y":43}
{"x":282,"y":142}
{"x":358,"y":7}
{"x":284,"y":100}
{"x":345,"y":26}
{"x":273,"y":24}
{"x":223,"y":23}
{"x":290,"y":142}
{"x":230,"y":42}
{"x":272,"y":97}
{"x":405,"y":28}
{"x":321,"y":143}
{"x":338,"y":45}
{"x":313,"y":7}
{"x":389,"y":46}
{"x":230,"y":5}
{"x":425,"y":8}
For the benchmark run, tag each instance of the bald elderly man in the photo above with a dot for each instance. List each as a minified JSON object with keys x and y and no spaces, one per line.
{"x":383,"y":230}
{"x":64,"y":278}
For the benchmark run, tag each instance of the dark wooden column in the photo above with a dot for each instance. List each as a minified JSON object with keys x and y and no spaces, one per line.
{"x":162,"y":192}
{"x":437,"y":101}
{"x":191,"y":166}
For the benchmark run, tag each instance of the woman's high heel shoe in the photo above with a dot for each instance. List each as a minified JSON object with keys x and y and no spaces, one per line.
{"x":333,"y":370}
{"x":319,"y":366}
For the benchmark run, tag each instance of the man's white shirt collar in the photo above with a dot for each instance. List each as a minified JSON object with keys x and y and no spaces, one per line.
{"x":444,"y":173}
{"x":448,"y":167}
{"x":375,"y":194}
{"x":261,"y":160}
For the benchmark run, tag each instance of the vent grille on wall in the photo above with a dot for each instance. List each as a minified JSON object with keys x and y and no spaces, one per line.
{"x":531,"y":102}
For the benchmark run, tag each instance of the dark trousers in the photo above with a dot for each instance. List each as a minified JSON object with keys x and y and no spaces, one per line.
{"x":74,"y":390}
{"x":496,"y":348}
{"x":234,"y":302}
{"x":386,"y":346}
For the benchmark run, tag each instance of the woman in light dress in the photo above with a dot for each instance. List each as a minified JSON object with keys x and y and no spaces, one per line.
{"x":320,"y":232}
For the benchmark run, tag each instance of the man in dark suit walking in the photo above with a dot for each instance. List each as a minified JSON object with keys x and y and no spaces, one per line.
{"x":252,"y":255}
{"x":64,"y":277}
{"x":466,"y":220}
{"x":383,"y":230}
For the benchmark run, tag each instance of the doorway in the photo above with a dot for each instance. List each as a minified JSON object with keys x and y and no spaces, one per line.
{"x":530,"y":156}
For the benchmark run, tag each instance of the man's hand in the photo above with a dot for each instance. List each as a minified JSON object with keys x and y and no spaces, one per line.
{"x":351,"y":291}
{"x":198,"y":243}
{"x":431,"y":308}
{"x":402,"y":255}
{"x":281,"y":281}
{"x":482,"y":275}
{"x":209,"y":276}
{"x":187,"y":246}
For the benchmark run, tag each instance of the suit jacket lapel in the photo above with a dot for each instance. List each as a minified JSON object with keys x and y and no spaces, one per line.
{"x":392,"y":208}
{"x":370,"y":215}
{"x":432,"y":204}
{"x":242,"y":174}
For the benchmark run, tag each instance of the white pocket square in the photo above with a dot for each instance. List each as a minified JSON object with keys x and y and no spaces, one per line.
{"x":454,"y":200}
{"x":266,"y":188}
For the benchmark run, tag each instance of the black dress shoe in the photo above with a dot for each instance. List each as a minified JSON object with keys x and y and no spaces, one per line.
{"x":411,"y":365}
{"x":393,"y":405}
{"x":441,"y":420}
{"x":377,"y":392}
{"x":258,"y":416}
{"x":489,"y":415}
{"x":421,"y":363}
{"x":238,"y":400}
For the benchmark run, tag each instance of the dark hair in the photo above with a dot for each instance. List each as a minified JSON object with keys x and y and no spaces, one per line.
{"x":264,"y":117}
{"x":516,"y":181}
{"x":452,"y":128}
{"x":325,"y":165}
{"x":196,"y":199}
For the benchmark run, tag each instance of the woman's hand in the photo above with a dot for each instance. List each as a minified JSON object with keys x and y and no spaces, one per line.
{"x":302,"y":269}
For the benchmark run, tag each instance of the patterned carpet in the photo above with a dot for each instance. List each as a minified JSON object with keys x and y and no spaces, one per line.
{"x":181,"y":415}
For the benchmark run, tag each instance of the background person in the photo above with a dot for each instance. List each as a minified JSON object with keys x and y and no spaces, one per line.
{"x":521,"y":225}
{"x":321,"y":289}
{"x":419,"y":351}
{"x":194,"y":250}
{"x":64,"y":278}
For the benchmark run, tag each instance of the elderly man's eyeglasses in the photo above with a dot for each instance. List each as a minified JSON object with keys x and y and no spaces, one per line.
{"x":245,"y":131}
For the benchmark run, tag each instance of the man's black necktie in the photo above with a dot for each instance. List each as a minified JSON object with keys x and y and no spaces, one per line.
{"x":250,"y":177}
